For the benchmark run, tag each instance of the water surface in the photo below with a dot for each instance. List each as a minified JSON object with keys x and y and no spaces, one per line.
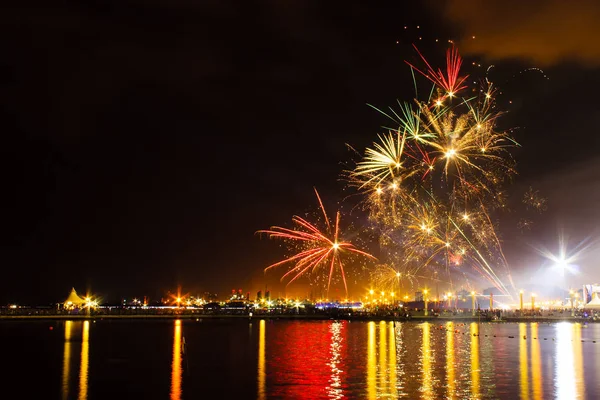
{"x":262,"y":359}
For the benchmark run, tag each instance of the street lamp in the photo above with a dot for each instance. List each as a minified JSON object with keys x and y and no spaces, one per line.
{"x":425,"y":300}
{"x":572,"y":307}
{"x":521,"y":300}
{"x":532,"y":302}
{"x":473,"y":303}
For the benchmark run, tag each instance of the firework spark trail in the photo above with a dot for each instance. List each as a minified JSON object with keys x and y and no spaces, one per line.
{"x":430,"y":184}
{"x":386,"y":277}
{"x":442,"y":163}
{"x":316,"y":248}
{"x":451,"y":82}
{"x":499,"y":246}
{"x":323,"y":208}
{"x":489,"y":271}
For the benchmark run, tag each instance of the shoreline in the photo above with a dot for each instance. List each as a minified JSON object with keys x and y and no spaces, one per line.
{"x":418,"y":318}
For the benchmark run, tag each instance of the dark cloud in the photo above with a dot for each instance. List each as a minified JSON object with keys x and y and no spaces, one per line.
{"x":542,"y":32}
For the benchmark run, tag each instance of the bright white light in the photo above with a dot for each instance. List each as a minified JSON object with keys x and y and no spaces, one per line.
{"x":564,"y":377}
{"x":564,"y":260}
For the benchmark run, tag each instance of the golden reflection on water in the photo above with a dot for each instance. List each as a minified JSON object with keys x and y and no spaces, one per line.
{"x":578,"y":361}
{"x":523,"y":362}
{"x":83,"y":360}
{"x":66,"y":359}
{"x":450,"y":374}
{"x":261,"y":360}
{"x":176,"y":364}
{"x":382,"y":363}
{"x":371,"y":362}
{"x":83,"y":367}
{"x":426,"y":387}
{"x":536,"y":363}
{"x":392,"y":363}
{"x":475,"y":389}
{"x":400,"y":352}
{"x":382,"y":359}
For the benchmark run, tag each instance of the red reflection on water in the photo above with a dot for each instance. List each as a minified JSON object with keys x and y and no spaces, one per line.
{"x":306,"y":360}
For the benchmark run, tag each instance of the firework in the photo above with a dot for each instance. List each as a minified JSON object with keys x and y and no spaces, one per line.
{"x":390,"y":279}
{"x":533,"y":200}
{"x":451,"y":82}
{"x":314,"y":249}
{"x":434,"y":179}
{"x":524,"y":224}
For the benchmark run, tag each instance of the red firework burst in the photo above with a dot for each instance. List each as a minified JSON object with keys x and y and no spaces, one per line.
{"x":317,"y":248}
{"x":451,"y":82}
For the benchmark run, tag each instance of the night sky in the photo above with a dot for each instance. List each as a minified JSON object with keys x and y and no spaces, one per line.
{"x":145,"y":142}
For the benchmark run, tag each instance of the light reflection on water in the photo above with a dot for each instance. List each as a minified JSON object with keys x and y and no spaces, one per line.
{"x":261,"y":377}
{"x":371,"y":366}
{"x":339,"y":359}
{"x":578,"y":364}
{"x":66,"y":360}
{"x":392,"y":360}
{"x":73,"y":330}
{"x":176,"y":363}
{"x":382,"y":387}
{"x":426,"y":387}
{"x":384,"y":378}
{"x":334,"y":389}
{"x":83,"y":368}
{"x":536,"y":363}
{"x":523,"y":361}
{"x":568,"y":378}
{"x":450,"y":360}
{"x":475,"y":360}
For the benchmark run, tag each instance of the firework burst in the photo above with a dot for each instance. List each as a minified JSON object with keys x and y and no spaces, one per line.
{"x":433,"y":181}
{"x":533,"y":200}
{"x":450,"y":82}
{"x":314,"y":249}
